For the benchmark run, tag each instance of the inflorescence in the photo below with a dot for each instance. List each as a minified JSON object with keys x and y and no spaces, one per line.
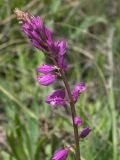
{"x":41,"y":38}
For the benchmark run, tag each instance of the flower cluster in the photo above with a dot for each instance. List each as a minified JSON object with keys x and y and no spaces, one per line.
{"x":41,"y":37}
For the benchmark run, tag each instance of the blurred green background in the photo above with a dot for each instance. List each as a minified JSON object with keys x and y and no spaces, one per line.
{"x":29,"y":128}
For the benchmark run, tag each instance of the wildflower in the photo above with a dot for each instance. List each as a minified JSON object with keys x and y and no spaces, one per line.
{"x":61,"y":155}
{"x":85,"y":132}
{"x":41,"y":37}
{"x":45,"y":68}
{"x":77,"y":121}
{"x":46,"y":80}
{"x":81,"y":87}
{"x":56,"y":98}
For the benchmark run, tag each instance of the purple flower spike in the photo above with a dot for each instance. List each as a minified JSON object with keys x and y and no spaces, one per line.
{"x":85,"y":132}
{"x":61,"y":155}
{"x":80,"y":88}
{"x":56,"y":98}
{"x":34,"y":29}
{"x":78,"y":121}
{"x":40,"y":36}
{"x":46,"y":80}
{"x":45,"y":69}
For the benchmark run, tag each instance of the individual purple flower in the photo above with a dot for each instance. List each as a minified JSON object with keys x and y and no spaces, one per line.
{"x":46,"y":80}
{"x":61,"y":155}
{"x":61,"y":47}
{"x":45,"y":69}
{"x":80,"y":88}
{"x":77,"y":121}
{"x":56,"y":98}
{"x":61,"y":51}
{"x":85,"y":132}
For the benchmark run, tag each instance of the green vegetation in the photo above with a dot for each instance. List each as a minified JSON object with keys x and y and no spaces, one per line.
{"x":33,"y":129}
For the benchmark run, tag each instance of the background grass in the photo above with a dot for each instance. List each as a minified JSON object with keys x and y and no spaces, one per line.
{"x":29,"y":128}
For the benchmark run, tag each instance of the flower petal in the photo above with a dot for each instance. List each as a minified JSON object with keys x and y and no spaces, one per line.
{"x":61,"y":155}
{"x":46,"y":80}
{"x":77,"y":121}
{"x":59,"y":93}
{"x":40,"y":36}
{"x":56,"y":102}
{"x":48,"y":33}
{"x":36,"y":44}
{"x":45,"y":68}
{"x":37,"y":23}
{"x":56,"y":98}
{"x":62,"y":47}
{"x":81,"y":87}
{"x":61,"y":63}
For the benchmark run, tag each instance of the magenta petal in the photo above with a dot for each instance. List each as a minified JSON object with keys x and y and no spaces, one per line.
{"x":36,"y":44}
{"x":61,"y":155}
{"x":56,"y":98}
{"x":62,"y":47}
{"x":53,"y":47}
{"x":27,"y":33}
{"x":56,"y":102}
{"x":46,"y":80}
{"x":77,"y":121}
{"x":85,"y":132}
{"x":61,"y":63}
{"x":81,"y":87}
{"x":35,"y":35}
{"x":26,"y":26}
{"x":45,"y":68}
{"x":48,"y":34}
{"x":37,"y":23}
{"x":59,"y":93}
